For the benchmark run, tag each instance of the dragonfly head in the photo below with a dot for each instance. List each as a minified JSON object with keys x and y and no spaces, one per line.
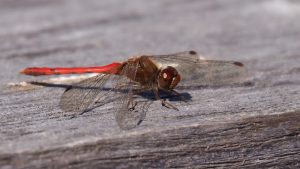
{"x":168,"y":78}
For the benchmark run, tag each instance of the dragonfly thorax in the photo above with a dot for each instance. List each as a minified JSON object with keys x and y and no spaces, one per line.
{"x":141,"y":70}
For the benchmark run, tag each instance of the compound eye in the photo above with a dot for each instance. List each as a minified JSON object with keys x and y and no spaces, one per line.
{"x":167,"y":74}
{"x":168,"y":78}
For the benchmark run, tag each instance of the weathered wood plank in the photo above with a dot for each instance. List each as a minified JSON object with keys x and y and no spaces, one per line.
{"x":250,"y":126}
{"x":259,"y":142}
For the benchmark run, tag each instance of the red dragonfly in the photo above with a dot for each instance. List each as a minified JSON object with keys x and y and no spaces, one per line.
{"x":155,"y":73}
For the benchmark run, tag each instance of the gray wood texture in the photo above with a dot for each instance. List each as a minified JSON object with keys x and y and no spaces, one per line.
{"x":247,"y":126}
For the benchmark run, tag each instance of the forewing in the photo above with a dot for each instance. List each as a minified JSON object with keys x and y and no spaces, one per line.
{"x":197,"y":72}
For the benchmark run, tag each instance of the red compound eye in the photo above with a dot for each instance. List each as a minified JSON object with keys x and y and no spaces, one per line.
{"x":168,"y":78}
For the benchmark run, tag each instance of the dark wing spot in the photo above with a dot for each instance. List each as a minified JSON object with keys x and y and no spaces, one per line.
{"x":192,"y":52}
{"x":238,"y":64}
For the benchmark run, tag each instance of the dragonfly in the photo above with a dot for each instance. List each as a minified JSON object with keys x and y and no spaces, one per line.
{"x":145,"y":73}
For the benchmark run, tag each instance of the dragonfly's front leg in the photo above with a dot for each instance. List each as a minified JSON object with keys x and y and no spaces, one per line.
{"x":163,"y":101}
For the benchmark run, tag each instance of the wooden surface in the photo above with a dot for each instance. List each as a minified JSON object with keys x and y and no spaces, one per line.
{"x":248,"y":126}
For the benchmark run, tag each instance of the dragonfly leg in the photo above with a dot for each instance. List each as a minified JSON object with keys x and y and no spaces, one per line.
{"x":131,"y":104}
{"x":163,"y":101}
{"x":168,"y":105}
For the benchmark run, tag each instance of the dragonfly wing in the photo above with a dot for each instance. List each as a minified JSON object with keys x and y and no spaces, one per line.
{"x":132,"y":110}
{"x":215,"y":73}
{"x":199,"y":72}
{"x":131,"y":105}
{"x":180,"y":57}
{"x":80,"y":96}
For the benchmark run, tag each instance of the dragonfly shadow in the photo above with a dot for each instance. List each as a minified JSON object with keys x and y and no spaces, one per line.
{"x":68,"y":86}
{"x":146,"y":94}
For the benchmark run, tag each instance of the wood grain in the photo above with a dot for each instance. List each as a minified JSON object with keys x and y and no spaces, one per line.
{"x":255,"y":125}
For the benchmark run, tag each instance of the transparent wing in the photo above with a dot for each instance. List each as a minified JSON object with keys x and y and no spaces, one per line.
{"x":130,"y":108}
{"x":80,"y":96}
{"x":197,"y":72}
{"x":132,"y":104}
